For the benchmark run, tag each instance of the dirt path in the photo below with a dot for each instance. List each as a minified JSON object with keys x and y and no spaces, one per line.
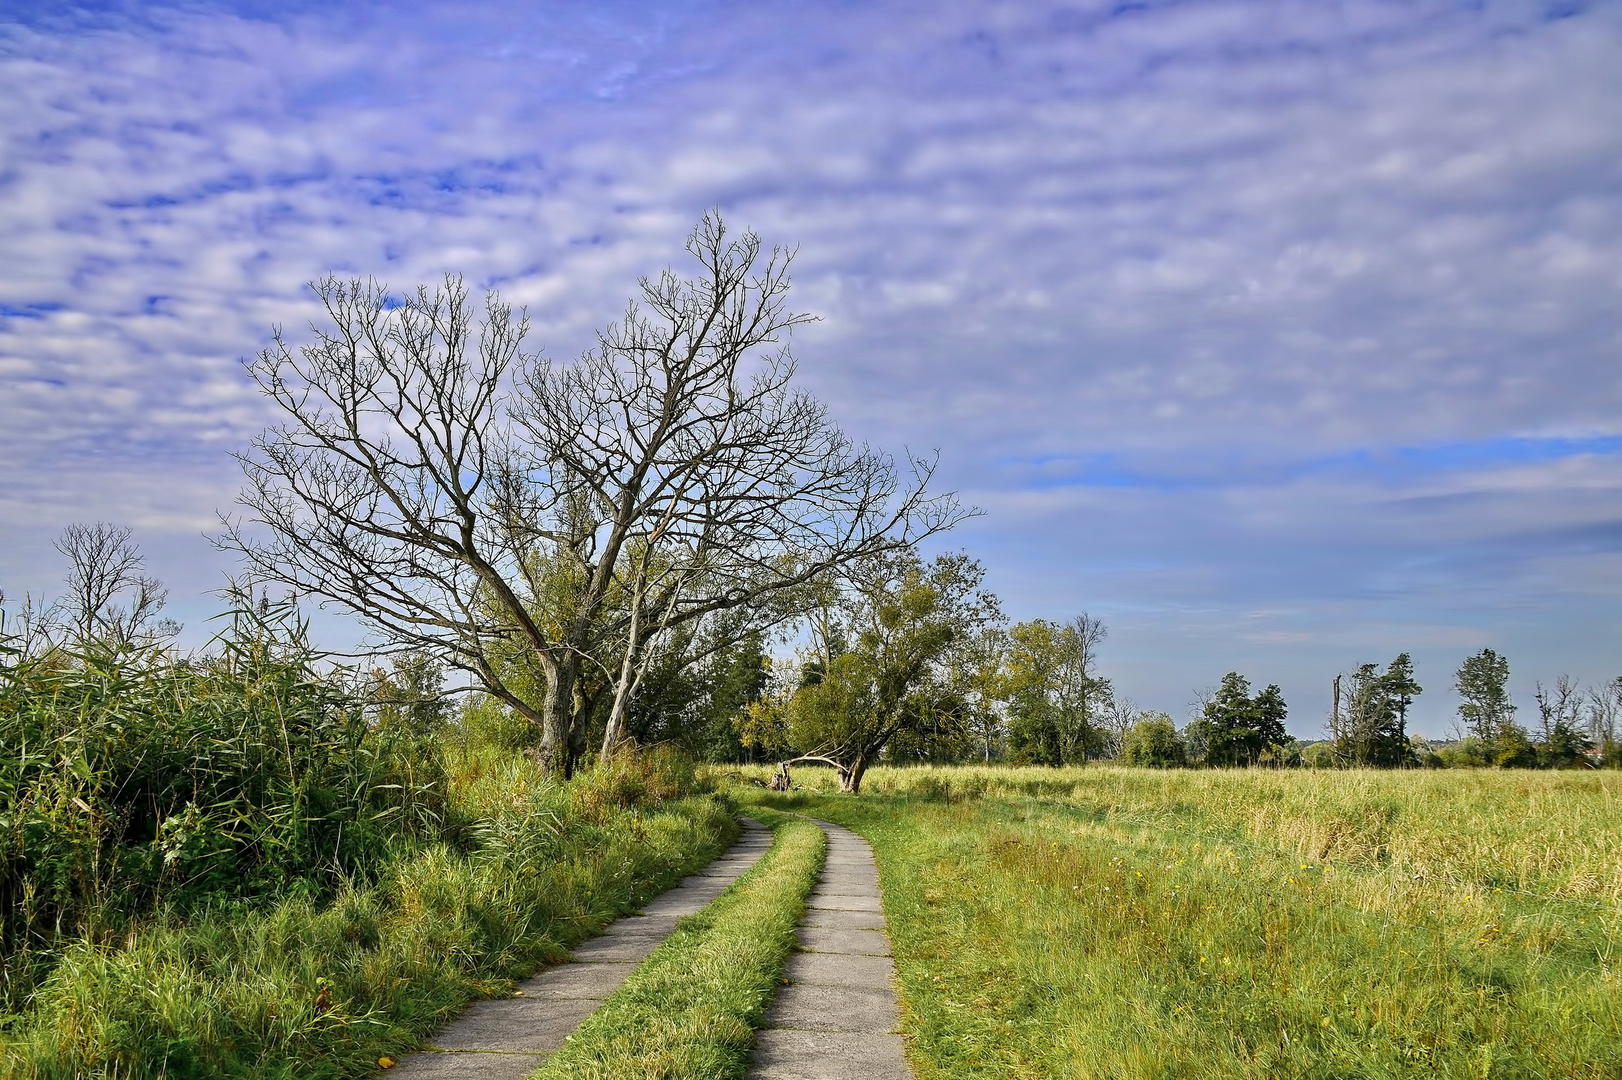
{"x":837,"y":1019}
{"x":509,"y":1038}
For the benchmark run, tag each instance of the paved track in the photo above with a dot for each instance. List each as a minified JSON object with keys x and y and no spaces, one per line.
{"x":837,"y":1019}
{"x":509,"y":1038}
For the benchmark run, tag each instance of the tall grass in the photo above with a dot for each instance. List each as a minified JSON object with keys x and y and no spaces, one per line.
{"x":1550,"y":833}
{"x":1110,"y":923}
{"x":133,"y":778}
{"x":234,"y":864}
{"x":322,"y":989}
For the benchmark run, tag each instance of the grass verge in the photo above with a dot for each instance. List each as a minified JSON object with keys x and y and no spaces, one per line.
{"x":1043,"y":939}
{"x":313,"y":990}
{"x":690,"y":1011}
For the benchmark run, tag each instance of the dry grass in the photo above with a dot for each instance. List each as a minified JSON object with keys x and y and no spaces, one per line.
{"x":1120,"y":923}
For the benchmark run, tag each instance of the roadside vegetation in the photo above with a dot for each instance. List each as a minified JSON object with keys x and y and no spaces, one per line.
{"x":246,"y":863}
{"x":1126,"y":922}
{"x":692,"y":1008}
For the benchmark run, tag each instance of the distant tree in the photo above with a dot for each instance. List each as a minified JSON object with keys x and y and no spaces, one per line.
{"x":1603,"y":709}
{"x":904,"y":621}
{"x":1369,"y":722}
{"x":1236,"y":728}
{"x":1153,"y":741}
{"x":1056,"y":699}
{"x":110,"y":601}
{"x":411,"y":696}
{"x":694,"y":703}
{"x":1563,"y":744}
{"x":1487,"y":712}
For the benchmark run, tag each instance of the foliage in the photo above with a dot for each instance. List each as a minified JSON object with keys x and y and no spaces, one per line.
{"x":1056,"y":699}
{"x":903,"y":619}
{"x":1153,"y":742}
{"x":310,"y":988}
{"x":1130,"y":922}
{"x":1564,"y":744}
{"x":1238,"y":729}
{"x":693,"y":703}
{"x":1372,"y":727}
{"x":131,"y":778}
{"x":690,"y":1010}
{"x":1487,"y":712}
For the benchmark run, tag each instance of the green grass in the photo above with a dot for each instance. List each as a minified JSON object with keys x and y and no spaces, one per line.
{"x":1126,"y":923}
{"x":690,"y":1011}
{"x":300,"y":988}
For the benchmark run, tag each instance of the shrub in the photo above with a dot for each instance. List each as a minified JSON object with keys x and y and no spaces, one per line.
{"x":1153,"y":742}
{"x":131,"y":779}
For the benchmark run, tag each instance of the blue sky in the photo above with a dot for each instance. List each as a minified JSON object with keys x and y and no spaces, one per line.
{"x":1283,"y":336}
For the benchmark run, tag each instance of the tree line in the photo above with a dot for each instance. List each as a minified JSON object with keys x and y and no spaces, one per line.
{"x":610,"y":551}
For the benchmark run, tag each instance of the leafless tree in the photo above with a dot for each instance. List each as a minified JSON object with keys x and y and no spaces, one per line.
{"x":1604,"y":707}
{"x":109,"y":601}
{"x":460,"y":494}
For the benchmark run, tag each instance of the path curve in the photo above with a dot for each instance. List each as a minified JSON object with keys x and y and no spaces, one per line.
{"x":508,"y":1038}
{"x":837,"y":1018}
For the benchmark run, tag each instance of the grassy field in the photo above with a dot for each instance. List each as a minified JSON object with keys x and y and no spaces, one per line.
{"x":1110,"y":922}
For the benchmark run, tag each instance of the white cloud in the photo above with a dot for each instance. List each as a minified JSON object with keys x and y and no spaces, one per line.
{"x":1216,"y":242}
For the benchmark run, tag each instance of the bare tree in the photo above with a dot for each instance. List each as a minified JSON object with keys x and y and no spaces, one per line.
{"x":109,"y":601}
{"x":462,"y":495}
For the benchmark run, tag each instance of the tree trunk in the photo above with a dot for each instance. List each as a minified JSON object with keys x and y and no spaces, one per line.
{"x":614,"y":734}
{"x":555,"y":754}
{"x":850,"y":778}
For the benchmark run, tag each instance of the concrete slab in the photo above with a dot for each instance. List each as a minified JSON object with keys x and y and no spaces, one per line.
{"x":844,"y":920}
{"x":594,"y":981}
{"x":845,"y":888}
{"x":835,"y":1008}
{"x":466,"y":1066}
{"x":825,"y":939}
{"x":846,"y":903}
{"x":515,"y":1025}
{"x":841,"y":969}
{"x":617,"y":948}
{"x":828,"y":1055}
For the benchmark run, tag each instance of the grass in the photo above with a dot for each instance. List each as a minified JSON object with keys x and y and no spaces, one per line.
{"x":1108,"y":922}
{"x":323,"y":989}
{"x":690,"y":1011}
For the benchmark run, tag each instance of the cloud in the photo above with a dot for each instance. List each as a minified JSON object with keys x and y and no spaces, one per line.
{"x":1197,"y":297}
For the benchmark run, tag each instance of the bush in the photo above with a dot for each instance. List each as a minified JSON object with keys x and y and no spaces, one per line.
{"x":131,"y":779}
{"x":1154,"y":742}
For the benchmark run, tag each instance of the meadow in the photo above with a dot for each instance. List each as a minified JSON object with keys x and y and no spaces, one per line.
{"x":1116,"y":922}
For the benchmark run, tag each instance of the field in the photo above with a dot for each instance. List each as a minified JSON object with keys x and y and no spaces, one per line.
{"x":1113,"y":922}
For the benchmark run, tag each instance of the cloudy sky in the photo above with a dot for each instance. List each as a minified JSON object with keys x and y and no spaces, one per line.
{"x":1283,"y":336}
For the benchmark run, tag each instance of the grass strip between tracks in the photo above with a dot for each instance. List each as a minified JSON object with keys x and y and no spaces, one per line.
{"x":690,"y":1011}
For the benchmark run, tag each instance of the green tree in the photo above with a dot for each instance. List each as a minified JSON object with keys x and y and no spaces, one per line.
{"x":1153,"y":742}
{"x":1369,"y":723}
{"x":1236,"y":728}
{"x":1564,"y":743}
{"x":1056,"y":699}
{"x":904,"y":620}
{"x":1487,"y":712}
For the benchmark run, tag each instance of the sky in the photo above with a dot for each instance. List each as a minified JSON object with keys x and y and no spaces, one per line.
{"x":1281,"y":336}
